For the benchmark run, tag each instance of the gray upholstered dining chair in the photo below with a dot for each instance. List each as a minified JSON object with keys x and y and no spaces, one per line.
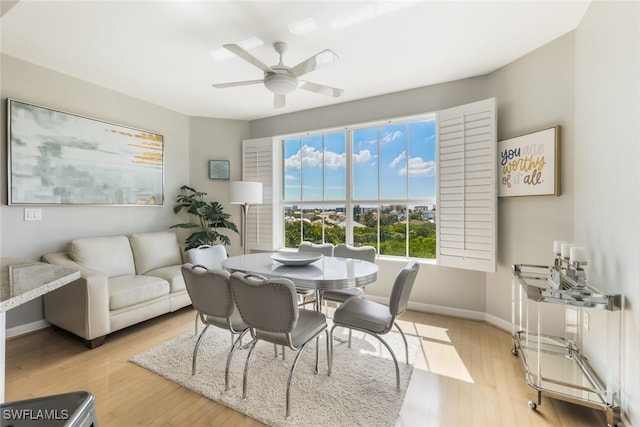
{"x":377,"y":319}
{"x":365,"y":253}
{"x":270,"y":310}
{"x":325,"y":249}
{"x":207,"y":256}
{"x":210,"y":293}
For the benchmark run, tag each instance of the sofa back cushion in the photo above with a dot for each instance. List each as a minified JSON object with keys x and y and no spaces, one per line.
{"x":110,"y":255}
{"x":155,"y":250}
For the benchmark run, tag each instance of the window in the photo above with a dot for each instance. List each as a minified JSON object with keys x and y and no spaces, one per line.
{"x":315,"y":189}
{"x":379,"y":185}
{"x":370,"y":185}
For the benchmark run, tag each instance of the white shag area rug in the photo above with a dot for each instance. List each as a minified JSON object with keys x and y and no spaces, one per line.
{"x":360,"y":391}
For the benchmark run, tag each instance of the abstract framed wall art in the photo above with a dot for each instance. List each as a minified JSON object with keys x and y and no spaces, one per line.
{"x":219,"y":169}
{"x":529,"y":164}
{"x":57,"y":157}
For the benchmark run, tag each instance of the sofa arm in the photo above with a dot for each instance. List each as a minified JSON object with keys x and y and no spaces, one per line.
{"x":82,"y":306}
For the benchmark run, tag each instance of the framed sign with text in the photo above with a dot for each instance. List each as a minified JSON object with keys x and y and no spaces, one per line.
{"x":529,"y":164}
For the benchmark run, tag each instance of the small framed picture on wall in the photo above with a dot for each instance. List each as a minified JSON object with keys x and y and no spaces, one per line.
{"x":218,"y":169}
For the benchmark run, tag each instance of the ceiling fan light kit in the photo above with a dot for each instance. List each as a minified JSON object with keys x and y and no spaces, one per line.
{"x":281,"y":79}
{"x":281,"y":83}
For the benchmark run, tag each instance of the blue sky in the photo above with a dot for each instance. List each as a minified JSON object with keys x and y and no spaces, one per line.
{"x":382,"y":157}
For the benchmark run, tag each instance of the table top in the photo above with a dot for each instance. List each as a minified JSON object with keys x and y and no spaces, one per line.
{"x":328,"y":273}
{"x":22,"y":280}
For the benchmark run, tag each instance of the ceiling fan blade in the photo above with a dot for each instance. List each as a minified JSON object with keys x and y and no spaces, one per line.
{"x":318,"y":88}
{"x":325,"y":57}
{"x":278,"y":100}
{"x":234,"y":48}
{"x":233,"y":84}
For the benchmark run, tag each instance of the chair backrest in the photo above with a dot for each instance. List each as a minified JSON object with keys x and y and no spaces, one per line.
{"x":208,"y":256}
{"x":402,"y":288}
{"x":265,"y":305}
{"x":209,"y":290}
{"x":365,"y":253}
{"x":325,"y":249}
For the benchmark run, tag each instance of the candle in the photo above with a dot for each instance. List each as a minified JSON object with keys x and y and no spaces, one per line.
{"x":557,"y":246}
{"x":565,"y":249}
{"x":578,"y":254}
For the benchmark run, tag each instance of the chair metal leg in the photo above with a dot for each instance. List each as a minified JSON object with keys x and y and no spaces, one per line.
{"x":195,"y":351}
{"x":275,"y":351}
{"x":395,"y":361}
{"x":393,"y":356}
{"x":329,"y":354}
{"x":293,"y":368}
{"x":330,"y":343}
{"x":196,"y":325}
{"x":317,"y":353}
{"x":406,"y":346}
{"x":246,"y":369}
{"x":348,"y":341}
{"x":236,"y":344}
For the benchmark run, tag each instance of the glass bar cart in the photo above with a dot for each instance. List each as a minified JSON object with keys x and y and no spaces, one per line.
{"x":554,"y":356}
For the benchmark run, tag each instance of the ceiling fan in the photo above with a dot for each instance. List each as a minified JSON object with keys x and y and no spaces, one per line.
{"x":281,"y":79}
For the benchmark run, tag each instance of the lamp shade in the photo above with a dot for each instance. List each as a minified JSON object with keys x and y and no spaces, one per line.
{"x":245,"y":192}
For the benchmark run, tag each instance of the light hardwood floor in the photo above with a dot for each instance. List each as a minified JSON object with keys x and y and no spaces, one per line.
{"x":465,"y":375}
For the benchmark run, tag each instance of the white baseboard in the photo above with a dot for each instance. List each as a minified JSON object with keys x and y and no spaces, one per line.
{"x":452,"y":312}
{"x":27,"y":328}
{"x":498,"y":322}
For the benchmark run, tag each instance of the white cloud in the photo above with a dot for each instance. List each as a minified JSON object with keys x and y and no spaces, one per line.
{"x":397,"y":160}
{"x":362,"y":157}
{"x":313,"y":158}
{"x":334,"y":160}
{"x":418,"y":167}
{"x":391,"y":137}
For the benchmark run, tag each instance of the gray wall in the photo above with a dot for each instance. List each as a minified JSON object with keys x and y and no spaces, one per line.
{"x":188,"y":143}
{"x":606,"y":158}
{"x":19,"y":238}
{"x":217,"y":139}
{"x":533,"y":92}
{"x":416,"y":101}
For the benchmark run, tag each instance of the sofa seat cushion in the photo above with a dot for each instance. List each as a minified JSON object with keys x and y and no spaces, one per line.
{"x":125,"y":291}
{"x":171,"y":274}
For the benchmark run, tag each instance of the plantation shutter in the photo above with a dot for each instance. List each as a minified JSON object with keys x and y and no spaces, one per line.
{"x":257,"y":166}
{"x":467,"y":187}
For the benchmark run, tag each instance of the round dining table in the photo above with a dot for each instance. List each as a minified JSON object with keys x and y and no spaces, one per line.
{"x":327,"y":273}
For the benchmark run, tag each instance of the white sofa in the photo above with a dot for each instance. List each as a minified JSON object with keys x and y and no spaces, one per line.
{"x":124,"y":280}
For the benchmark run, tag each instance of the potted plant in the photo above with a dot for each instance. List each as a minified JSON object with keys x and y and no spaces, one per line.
{"x":211,"y":217}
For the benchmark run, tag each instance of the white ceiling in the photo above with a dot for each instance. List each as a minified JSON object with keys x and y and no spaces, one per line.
{"x":160,"y":51}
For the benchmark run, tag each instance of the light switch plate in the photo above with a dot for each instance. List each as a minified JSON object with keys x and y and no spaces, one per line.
{"x":32,"y":214}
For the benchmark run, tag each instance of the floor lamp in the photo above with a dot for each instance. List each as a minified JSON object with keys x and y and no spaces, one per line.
{"x":245,"y":193}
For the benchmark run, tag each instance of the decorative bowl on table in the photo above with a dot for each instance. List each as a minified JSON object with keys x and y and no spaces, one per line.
{"x":296,"y":259}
